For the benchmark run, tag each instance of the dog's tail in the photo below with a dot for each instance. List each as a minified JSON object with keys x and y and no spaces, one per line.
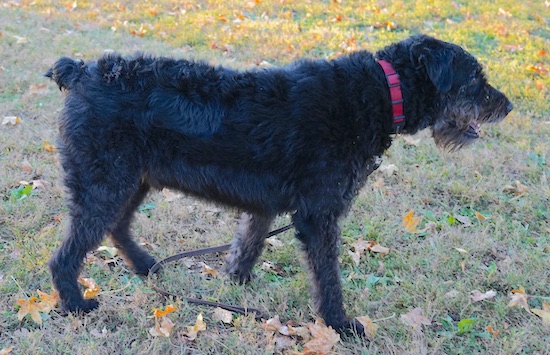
{"x":66,"y":72}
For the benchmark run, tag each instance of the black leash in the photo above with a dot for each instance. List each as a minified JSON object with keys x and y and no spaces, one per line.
{"x":188,"y":254}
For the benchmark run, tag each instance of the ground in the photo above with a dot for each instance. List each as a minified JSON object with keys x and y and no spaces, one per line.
{"x":502,"y":177}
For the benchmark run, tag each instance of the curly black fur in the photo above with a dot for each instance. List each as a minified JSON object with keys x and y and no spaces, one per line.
{"x":301,"y":139}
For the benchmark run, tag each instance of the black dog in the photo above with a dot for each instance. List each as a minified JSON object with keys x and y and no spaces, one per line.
{"x":301,"y":138}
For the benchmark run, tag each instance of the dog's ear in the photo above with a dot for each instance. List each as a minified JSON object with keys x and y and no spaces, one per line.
{"x":437,"y":58}
{"x":438,"y":65}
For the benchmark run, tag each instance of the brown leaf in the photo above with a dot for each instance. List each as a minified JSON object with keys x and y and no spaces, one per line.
{"x":544,"y":313}
{"x":324,"y":339}
{"x":6,"y":351}
{"x":370,"y":327}
{"x":170,"y":195}
{"x":519,"y":299}
{"x":163,"y":327}
{"x":494,"y":332}
{"x":223,"y":315}
{"x":410,"y":140}
{"x":477,"y":296}
{"x":415,"y":319}
{"x":193,"y":331}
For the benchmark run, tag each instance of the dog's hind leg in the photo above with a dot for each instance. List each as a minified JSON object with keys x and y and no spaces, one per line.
{"x":320,"y":236}
{"x":140,"y":260}
{"x":97,"y":198}
{"x":247,"y":245}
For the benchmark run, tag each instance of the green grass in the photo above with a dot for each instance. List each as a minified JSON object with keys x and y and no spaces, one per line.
{"x":509,"y":249}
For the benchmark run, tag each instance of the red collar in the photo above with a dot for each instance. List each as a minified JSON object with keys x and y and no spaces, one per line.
{"x":396,"y":95}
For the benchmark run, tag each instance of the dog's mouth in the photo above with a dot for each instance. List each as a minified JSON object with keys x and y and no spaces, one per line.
{"x":473,"y":131}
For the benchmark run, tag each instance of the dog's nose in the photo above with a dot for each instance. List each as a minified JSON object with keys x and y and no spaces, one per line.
{"x":509,"y":108}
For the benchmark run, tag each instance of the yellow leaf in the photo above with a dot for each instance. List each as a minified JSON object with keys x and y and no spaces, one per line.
{"x":207,"y":270}
{"x":29,"y":307}
{"x":519,"y":299}
{"x":370,"y":327}
{"x":48,"y":147}
{"x":92,"y":289}
{"x":410,"y":222}
{"x":479,"y":216}
{"x":544,"y":313}
{"x":48,"y":302}
{"x":324,"y":339}
{"x":194,"y":330}
{"x":159,"y":313}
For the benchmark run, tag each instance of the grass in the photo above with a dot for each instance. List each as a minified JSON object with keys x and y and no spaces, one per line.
{"x":506,"y":250}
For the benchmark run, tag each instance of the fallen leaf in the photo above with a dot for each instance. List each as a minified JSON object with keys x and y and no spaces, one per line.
{"x":21,"y":40}
{"x":48,"y":302}
{"x":193,"y":331}
{"x":48,"y":147}
{"x":11,"y":120}
{"x":415,"y":319}
{"x":26,"y":166}
{"x":96,"y":333}
{"x":92,"y":289}
{"x":389,"y":169}
{"x":463,"y":219}
{"x":163,"y":327}
{"x":377,"y":248}
{"x":209,"y":271}
{"x":31,"y":307}
{"x":479,"y":216}
{"x":462,"y":251}
{"x":370,"y":326}
{"x":223,"y":315}
{"x":490,"y":329}
{"x":37,"y":89}
{"x":519,"y":299}
{"x":274,"y":242}
{"x":518,"y":189}
{"x":410,"y":140}
{"x":324,"y":339}
{"x":170,"y":195}
{"x":111,"y":251}
{"x":544,"y":313}
{"x":160,"y":313}
{"x":410,"y":223}
{"x":6,"y":351}
{"x":477,"y":296}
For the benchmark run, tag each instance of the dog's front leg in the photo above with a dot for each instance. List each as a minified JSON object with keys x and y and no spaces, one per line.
{"x":321,"y":238}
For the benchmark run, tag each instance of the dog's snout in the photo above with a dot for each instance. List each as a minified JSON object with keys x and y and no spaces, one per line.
{"x":509,"y":108}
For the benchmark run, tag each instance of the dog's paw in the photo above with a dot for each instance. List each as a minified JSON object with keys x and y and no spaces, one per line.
{"x":142,"y":266}
{"x":351,"y":328}
{"x":83,"y":306}
{"x":238,"y":276}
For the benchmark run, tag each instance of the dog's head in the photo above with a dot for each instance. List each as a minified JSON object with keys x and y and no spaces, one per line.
{"x":464,"y":98}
